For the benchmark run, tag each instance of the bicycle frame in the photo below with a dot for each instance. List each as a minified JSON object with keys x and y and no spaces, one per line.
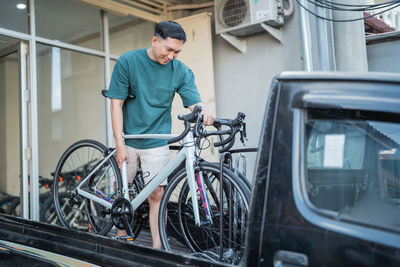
{"x":186,"y":153}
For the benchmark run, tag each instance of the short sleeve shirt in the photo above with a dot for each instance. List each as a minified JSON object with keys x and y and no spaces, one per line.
{"x":154,"y":86}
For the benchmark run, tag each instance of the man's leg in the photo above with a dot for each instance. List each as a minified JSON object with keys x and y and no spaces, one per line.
{"x":152,"y":161}
{"x":131,"y":169}
{"x":154,"y":202}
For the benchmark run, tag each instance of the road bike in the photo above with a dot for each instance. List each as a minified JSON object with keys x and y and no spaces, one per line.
{"x":94,"y":201}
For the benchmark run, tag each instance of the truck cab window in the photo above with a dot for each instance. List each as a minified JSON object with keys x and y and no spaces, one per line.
{"x":353,"y":166}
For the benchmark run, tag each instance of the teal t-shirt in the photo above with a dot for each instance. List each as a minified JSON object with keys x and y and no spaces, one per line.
{"x":154,"y":86}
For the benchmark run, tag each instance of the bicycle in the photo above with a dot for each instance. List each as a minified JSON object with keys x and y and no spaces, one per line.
{"x":14,"y":207}
{"x":5,"y":202}
{"x":94,"y":200}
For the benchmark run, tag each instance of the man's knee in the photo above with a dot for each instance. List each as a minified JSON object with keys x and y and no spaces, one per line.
{"x":157,"y":194}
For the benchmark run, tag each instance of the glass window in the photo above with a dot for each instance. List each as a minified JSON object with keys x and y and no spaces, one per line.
{"x":9,"y":135}
{"x":69,"y":21}
{"x":353,"y":165}
{"x":14,"y":15}
{"x":70,"y":104}
{"x":128,"y":33}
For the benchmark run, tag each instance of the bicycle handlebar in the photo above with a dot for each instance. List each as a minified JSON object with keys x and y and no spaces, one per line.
{"x":182,"y":135}
{"x":229,"y":139}
{"x":236,"y":125}
{"x":188,"y":118}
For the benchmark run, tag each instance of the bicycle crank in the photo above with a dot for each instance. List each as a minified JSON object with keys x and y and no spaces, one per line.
{"x":122,"y":214}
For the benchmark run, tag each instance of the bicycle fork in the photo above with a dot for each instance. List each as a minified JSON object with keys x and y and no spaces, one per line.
{"x":195,"y":178}
{"x":203,"y":195}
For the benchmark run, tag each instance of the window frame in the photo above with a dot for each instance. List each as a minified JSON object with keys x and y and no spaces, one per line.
{"x":326,"y":219}
{"x":33,"y":40}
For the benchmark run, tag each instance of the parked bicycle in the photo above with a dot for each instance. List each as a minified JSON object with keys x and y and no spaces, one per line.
{"x":14,"y":207}
{"x":5,"y":202}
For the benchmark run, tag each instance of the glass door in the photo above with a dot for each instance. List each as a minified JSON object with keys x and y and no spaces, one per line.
{"x":14,"y":148}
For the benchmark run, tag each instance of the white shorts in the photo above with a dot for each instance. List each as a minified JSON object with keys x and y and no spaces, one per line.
{"x":152,"y":160}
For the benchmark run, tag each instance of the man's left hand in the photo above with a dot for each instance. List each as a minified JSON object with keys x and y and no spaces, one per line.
{"x":208,"y":118}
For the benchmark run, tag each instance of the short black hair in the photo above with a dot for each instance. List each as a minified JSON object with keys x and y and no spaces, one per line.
{"x":170,"y":29}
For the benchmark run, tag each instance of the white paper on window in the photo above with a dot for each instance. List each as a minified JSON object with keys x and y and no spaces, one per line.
{"x":334,"y":150}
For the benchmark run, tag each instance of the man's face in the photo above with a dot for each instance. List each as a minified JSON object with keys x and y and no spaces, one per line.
{"x":165,"y":50}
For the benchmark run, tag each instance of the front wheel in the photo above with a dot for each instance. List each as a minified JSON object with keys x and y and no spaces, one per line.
{"x":205,"y":240}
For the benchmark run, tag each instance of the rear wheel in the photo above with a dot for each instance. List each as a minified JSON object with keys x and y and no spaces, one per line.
{"x":73,"y":210}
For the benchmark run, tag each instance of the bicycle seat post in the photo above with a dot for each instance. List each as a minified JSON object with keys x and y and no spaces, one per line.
{"x":124,"y":180}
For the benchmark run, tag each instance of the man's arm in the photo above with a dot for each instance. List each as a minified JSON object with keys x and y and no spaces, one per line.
{"x":208,"y":118}
{"x":117,"y":125}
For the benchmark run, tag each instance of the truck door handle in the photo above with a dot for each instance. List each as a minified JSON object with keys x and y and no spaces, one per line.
{"x":284,"y":258}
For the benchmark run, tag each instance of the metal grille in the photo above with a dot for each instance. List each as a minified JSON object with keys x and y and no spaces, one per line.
{"x":234,"y":12}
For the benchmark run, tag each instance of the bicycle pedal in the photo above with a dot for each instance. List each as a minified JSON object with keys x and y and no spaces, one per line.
{"x":126,"y":238}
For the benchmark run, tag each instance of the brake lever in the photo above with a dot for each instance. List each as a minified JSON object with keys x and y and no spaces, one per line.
{"x":243,"y":134}
{"x":198,"y":127}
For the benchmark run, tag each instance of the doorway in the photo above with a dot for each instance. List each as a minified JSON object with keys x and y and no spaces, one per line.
{"x":14,"y":152}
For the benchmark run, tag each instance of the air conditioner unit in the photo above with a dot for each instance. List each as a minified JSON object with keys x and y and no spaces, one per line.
{"x":245,"y":17}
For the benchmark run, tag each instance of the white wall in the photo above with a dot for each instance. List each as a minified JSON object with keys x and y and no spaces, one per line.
{"x":242,"y":81}
{"x":383,"y":56}
{"x":134,"y":35}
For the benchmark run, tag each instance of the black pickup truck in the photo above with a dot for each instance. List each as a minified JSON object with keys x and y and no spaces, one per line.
{"x":326,"y":190}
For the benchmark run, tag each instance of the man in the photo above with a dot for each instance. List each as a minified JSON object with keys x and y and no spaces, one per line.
{"x":152,"y":75}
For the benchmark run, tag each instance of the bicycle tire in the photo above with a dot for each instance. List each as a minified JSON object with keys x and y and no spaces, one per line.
{"x":244,"y":179}
{"x":205,"y":244}
{"x":78,"y":212}
{"x":14,"y":208}
{"x":174,"y":229}
{"x":204,"y":240}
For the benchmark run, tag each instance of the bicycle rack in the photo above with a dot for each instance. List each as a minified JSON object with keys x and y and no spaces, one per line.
{"x":226,"y":157}
{"x":237,"y":164}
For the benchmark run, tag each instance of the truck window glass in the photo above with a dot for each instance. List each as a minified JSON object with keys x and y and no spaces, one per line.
{"x":353,"y":166}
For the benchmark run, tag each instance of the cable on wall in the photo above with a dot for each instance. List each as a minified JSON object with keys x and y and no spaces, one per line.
{"x":383,"y":7}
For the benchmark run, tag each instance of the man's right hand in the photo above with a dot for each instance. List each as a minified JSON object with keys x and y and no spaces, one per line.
{"x":117,"y":125}
{"x":121,"y":156}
